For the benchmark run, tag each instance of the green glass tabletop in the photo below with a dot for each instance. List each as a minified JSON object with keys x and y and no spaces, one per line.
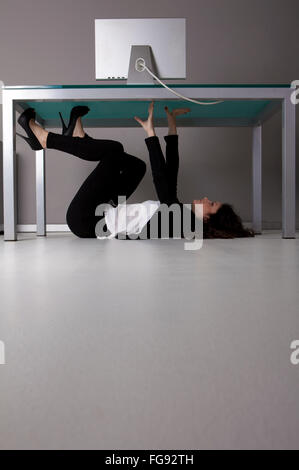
{"x":121,"y":112}
{"x":127,"y":109}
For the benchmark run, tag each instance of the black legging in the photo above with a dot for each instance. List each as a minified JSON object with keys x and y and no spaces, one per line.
{"x":118,"y":173}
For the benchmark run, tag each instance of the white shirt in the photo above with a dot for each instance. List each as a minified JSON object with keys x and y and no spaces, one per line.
{"x":129,"y":218}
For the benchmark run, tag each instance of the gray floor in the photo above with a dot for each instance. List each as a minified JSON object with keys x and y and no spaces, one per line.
{"x":143,"y":345}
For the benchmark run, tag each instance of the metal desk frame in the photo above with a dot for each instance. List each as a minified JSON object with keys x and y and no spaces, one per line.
{"x":14,"y":98}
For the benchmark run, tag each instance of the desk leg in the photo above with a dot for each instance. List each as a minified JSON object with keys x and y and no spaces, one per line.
{"x":9,"y":169}
{"x":257,"y":179}
{"x":288,"y":169}
{"x":40,"y":193}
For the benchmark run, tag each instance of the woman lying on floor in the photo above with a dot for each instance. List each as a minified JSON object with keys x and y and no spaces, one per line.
{"x":118,"y":174}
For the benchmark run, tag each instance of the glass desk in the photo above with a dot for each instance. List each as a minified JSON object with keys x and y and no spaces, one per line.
{"x":116,"y":106}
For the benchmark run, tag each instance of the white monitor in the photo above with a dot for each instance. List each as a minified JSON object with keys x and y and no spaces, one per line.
{"x":114,"y":38}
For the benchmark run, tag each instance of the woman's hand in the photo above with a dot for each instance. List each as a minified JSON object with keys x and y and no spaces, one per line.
{"x":148,"y":125}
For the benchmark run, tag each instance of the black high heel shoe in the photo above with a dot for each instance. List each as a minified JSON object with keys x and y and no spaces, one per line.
{"x":23,"y":120}
{"x":77,"y":111}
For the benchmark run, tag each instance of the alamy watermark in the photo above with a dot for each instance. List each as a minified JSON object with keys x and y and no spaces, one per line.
{"x":181,"y":221}
{"x":294,"y":99}
{"x":294,"y":358}
{"x":2,"y":353}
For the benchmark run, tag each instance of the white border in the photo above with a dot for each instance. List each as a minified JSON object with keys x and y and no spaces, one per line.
{"x":267,"y":225}
{"x":50,"y":228}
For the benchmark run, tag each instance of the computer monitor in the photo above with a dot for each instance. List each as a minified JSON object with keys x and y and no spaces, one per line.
{"x":114,"y":39}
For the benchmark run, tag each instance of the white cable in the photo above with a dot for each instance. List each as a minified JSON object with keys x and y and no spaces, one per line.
{"x":140,"y":67}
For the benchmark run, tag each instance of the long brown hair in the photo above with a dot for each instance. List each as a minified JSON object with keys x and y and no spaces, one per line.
{"x":225,"y":223}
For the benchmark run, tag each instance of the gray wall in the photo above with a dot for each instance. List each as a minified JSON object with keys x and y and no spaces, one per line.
{"x":228,"y":41}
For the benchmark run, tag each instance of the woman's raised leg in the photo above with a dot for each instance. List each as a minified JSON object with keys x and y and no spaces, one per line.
{"x":87,"y":149}
{"x":132,"y":171}
{"x":96,"y":189}
{"x":105,"y":183}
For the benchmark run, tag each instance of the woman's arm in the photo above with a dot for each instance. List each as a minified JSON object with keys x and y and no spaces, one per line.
{"x":159,"y":171}
{"x":172,"y":149}
{"x":172,"y":164}
{"x":158,"y":164}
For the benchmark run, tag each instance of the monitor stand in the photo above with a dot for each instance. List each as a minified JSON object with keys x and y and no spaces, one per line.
{"x":141,"y":78}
